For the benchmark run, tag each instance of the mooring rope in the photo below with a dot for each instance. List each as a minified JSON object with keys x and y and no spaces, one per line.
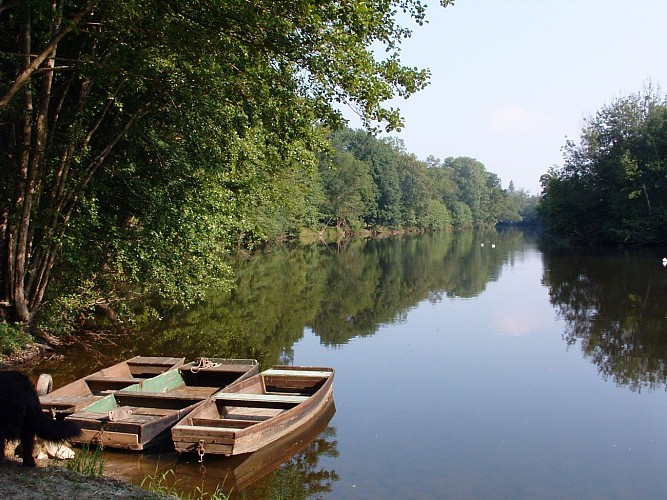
{"x":203,"y":363}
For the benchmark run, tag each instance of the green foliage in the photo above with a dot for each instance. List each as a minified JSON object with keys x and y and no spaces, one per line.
{"x":13,"y":337}
{"x":462,"y":215}
{"x":437,"y":216}
{"x":87,"y":462}
{"x":349,"y":190}
{"x":610,"y":188}
{"x":409,"y":193}
{"x":149,"y":139}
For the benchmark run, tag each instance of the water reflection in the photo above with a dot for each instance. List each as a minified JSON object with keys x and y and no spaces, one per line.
{"x":612,"y":301}
{"x":613,"y":304}
{"x":338,"y":292}
{"x":288,"y":468}
{"x":476,"y":364}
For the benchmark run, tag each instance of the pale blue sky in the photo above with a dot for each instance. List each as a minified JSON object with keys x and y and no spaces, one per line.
{"x":512,"y":78}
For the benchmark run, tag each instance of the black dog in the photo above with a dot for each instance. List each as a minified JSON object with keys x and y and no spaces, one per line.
{"x":21,"y":416}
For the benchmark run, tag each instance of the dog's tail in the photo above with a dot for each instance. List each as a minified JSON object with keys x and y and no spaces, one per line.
{"x":55,"y":430}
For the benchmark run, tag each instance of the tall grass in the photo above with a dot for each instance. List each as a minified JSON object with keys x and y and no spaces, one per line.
{"x":88,"y":462}
{"x":165,"y":484}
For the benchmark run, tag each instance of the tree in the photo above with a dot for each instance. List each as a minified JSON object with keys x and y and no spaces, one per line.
{"x":349,"y":190}
{"x":609,"y":189}
{"x":145,"y":126}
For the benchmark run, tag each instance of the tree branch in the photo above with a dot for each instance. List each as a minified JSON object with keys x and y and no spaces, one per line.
{"x":30,"y":68}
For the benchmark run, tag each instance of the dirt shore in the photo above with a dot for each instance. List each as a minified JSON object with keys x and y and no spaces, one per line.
{"x":54,"y":481}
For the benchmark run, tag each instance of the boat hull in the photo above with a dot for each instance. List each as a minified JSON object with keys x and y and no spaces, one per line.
{"x":141,"y":416}
{"x":254,"y":413}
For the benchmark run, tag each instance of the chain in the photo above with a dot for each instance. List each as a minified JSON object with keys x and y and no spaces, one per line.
{"x":201,"y":450}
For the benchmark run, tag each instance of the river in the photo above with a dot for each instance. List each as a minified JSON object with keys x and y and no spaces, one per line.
{"x":468,"y":365}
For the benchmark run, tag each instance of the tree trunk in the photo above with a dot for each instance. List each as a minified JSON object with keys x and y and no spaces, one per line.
{"x":50,"y":175}
{"x":648,"y":201}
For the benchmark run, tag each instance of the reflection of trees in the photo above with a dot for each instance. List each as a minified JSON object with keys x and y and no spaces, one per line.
{"x":300,"y":477}
{"x":340,"y":292}
{"x":613,"y":303}
{"x":377,"y":281}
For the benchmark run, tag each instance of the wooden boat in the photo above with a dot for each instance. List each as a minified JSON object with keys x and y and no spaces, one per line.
{"x":231,"y":474}
{"x":250,"y":414}
{"x":243,"y":470}
{"x":84,"y":391}
{"x":140,"y":416}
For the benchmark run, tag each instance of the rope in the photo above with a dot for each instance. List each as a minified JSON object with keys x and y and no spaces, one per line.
{"x":203,"y":363}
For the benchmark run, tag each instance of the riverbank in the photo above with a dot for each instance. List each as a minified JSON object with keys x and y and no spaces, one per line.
{"x":54,"y":481}
{"x":26,"y":357}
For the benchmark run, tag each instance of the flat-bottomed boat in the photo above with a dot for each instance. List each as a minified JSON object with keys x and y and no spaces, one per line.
{"x":141,"y":415}
{"x":250,"y":414}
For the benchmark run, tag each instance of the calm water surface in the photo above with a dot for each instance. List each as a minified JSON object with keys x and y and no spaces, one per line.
{"x":473,"y":365}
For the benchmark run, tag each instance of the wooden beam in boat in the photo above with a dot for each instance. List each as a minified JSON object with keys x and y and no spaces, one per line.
{"x":259,"y":400}
{"x":228,"y":423}
{"x":297,"y":373}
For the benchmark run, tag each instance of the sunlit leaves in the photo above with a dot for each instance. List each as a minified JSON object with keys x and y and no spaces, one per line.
{"x":609,"y":189}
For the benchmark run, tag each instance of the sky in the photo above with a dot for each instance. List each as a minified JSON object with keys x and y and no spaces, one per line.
{"x":512,"y":80}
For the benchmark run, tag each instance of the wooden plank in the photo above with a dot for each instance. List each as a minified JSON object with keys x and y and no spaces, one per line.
{"x":130,"y":441}
{"x":231,"y":424}
{"x":88,"y":415}
{"x":151,"y":365}
{"x":194,"y":391}
{"x":259,"y":400}
{"x":297,"y":373}
{"x":119,"y":380}
{"x":195,"y":433}
{"x":66,"y":399}
{"x":156,"y":400}
{"x":101,"y":383}
{"x":153,"y":411}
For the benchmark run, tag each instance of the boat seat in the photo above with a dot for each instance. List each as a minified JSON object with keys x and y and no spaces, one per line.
{"x":156,"y":399}
{"x":259,"y":400}
{"x":223,"y":423}
{"x":297,"y":373}
{"x":113,"y":380}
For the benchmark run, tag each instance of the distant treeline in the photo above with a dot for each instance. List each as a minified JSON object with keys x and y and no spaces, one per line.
{"x":370,"y":183}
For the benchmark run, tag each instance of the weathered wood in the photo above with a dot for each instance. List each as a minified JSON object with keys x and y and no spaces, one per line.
{"x":120,"y":375}
{"x":149,"y":409}
{"x":223,"y":422}
{"x":101,"y":383}
{"x":250,"y":418}
{"x":259,"y":400}
{"x":316,"y":373}
{"x":107,"y":438}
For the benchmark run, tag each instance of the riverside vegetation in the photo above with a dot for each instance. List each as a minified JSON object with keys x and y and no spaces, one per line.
{"x":131,"y":170}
